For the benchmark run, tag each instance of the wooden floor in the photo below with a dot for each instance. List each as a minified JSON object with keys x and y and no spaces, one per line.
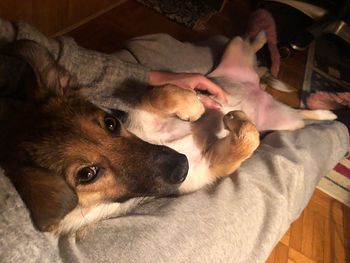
{"x":322,"y":233}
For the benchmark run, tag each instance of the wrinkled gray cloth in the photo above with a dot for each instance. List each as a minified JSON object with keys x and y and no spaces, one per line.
{"x":238,"y":220}
{"x":99,"y":74}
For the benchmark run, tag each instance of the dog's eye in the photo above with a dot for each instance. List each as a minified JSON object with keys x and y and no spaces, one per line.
{"x":87,"y":174}
{"x":111,"y":124}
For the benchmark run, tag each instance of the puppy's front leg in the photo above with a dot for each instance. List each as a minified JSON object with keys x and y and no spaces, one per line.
{"x":172,"y":100}
{"x":225,"y":155}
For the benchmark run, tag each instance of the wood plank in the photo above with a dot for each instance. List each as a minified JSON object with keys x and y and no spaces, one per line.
{"x":327,"y":206}
{"x":272,"y":257}
{"x":108,"y":32}
{"x":337,"y":212}
{"x":328,"y":251}
{"x":16,"y":9}
{"x":286,"y":238}
{"x":296,"y":232}
{"x":308,"y":231}
{"x":295,"y":256}
{"x":49,"y":16}
{"x":335,"y":249}
{"x":52,"y":16}
{"x":279,"y":255}
{"x":337,"y":233}
{"x":318,"y":242}
{"x":321,"y":203}
{"x":346,"y":227}
{"x":79,"y":9}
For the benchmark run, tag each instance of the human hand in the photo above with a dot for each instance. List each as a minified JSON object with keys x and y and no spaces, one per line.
{"x":190,"y":81}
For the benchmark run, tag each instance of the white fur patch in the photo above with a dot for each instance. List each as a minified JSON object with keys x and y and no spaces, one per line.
{"x":318,"y":115}
{"x":81,"y":216}
{"x":198,"y":173}
{"x":223,"y":133}
{"x":198,"y":177}
{"x":279,"y":85}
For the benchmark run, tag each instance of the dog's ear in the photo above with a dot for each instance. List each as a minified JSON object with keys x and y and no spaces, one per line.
{"x":51,"y":78}
{"x":47,"y":196}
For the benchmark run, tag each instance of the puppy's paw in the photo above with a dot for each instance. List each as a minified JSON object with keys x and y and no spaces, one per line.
{"x":227,"y":153}
{"x":173,"y":100}
{"x":233,"y":120}
{"x":190,"y":108}
{"x":241,"y":128}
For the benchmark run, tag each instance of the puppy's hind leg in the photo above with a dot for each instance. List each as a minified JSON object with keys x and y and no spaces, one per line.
{"x":225,"y":155}
{"x":286,"y":118}
{"x":317,"y":115}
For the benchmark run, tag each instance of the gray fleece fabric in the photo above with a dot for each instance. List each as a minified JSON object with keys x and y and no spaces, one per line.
{"x":239,"y":219}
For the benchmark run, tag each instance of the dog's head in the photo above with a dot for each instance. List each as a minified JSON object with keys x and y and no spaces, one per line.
{"x":62,"y":152}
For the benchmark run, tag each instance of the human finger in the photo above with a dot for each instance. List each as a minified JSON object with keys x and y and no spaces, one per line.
{"x":208,"y":102}
{"x":212,"y":88}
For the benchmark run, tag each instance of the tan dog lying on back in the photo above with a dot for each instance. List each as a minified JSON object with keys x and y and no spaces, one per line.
{"x":217,"y":142}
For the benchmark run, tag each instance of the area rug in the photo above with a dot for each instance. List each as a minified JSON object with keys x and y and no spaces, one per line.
{"x":192,"y":13}
{"x":337,"y":182}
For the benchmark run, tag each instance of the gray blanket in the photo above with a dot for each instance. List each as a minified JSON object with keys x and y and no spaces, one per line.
{"x":240,"y":219}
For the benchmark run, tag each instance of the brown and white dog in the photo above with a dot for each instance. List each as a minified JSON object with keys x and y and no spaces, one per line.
{"x":74,"y":164}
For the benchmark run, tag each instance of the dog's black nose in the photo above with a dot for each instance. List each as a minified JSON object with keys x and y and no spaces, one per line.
{"x":179,"y":171}
{"x":176,"y":169}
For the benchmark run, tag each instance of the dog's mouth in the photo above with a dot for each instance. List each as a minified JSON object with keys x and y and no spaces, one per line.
{"x":172,"y":190}
{"x":169,"y":192}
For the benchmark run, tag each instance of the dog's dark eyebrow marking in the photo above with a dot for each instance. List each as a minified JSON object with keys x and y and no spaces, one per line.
{"x":77,"y":159}
{"x":96,"y":121}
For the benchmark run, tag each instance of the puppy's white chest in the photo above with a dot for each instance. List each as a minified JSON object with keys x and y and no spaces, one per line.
{"x":198,"y":173}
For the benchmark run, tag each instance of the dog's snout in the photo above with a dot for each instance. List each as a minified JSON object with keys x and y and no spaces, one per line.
{"x":175,"y":168}
{"x":179,"y":172}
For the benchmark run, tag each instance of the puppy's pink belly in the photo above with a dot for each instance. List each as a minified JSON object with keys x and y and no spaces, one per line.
{"x":265,"y":112}
{"x":268,"y":119}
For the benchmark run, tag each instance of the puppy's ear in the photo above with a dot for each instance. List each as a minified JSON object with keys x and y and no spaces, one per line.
{"x":51,"y":78}
{"x":47,"y":196}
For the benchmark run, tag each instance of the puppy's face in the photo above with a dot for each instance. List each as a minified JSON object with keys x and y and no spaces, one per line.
{"x":62,"y":152}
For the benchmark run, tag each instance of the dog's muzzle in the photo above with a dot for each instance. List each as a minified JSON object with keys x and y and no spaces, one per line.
{"x":174,"y":168}
{"x":179,"y":170}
